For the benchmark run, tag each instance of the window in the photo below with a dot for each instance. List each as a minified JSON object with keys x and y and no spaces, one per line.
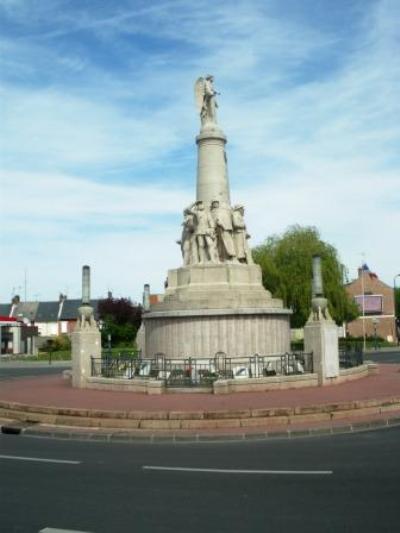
{"x":372,"y":303}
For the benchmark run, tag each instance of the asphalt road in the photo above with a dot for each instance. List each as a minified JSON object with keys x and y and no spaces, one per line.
{"x":340,"y":483}
{"x":23,"y":370}
{"x":381,"y":356}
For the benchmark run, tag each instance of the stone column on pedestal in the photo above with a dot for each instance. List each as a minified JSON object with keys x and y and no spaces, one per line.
{"x":216,"y":301}
{"x":320,"y":332}
{"x":86,"y":339}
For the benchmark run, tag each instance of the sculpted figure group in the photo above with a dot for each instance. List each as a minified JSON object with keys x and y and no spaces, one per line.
{"x":215,"y":234}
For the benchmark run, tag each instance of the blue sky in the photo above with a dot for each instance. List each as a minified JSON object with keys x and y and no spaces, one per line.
{"x":98,"y":122}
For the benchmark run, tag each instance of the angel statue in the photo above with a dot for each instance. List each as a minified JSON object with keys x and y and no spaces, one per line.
{"x":205,"y":99}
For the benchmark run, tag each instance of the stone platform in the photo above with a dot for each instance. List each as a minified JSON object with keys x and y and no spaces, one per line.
{"x":216,"y":308}
{"x":217,"y":286}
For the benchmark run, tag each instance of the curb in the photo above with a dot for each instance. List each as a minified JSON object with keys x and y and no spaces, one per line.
{"x":241,"y":420}
{"x":85,"y":434}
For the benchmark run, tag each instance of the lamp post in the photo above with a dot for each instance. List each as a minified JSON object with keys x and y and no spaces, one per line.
{"x":396,"y":329}
{"x":363,"y":308}
{"x":375,"y":321}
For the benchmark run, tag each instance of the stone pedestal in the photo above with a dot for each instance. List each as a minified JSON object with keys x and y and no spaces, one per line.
{"x":85,"y":343}
{"x":204,"y":332}
{"x":216,"y":286}
{"x":211,"y":308}
{"x":321,"y":338}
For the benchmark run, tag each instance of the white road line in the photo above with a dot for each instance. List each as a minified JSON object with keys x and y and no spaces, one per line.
{"x":56,"y":530}
{"x":39,"y":459}
{"x":240,"y":471}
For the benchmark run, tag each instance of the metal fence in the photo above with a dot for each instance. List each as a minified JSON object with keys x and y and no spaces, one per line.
{"x":350,"y":356}
{"x":202,"y":372}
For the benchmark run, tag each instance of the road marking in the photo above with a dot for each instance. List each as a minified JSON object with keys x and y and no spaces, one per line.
{"x":39,"y":459}
{"x":240,"y":471}
{"x":56,"y":530}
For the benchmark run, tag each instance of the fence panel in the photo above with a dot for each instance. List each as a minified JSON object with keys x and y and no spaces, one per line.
{"x":202,"y":372}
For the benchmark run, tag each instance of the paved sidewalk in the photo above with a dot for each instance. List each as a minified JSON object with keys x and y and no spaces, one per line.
{"x":57,"y":392}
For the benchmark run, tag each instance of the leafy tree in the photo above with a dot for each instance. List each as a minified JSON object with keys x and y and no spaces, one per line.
{"x":286,"y":263}
{"x":58,"y":343}
{"x":121,"y":319}
{"x":397,"y":301}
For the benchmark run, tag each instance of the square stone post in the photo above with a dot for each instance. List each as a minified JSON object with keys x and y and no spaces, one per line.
{"x":85,"y":344}
{"x":321,"y":338}
{"x":16,"y":338}
{"x":86,"y":339}
{"x":320,"y":332}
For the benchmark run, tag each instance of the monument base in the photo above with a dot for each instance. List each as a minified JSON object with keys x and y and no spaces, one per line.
{"x":211,"y":286}
{"x":216,"y":308}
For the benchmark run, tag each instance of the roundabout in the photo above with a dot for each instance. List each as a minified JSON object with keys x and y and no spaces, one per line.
{"x":49,"y":406}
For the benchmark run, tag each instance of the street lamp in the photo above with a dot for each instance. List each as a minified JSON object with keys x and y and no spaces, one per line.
{"x":363,"y":308}
{"x":396,"y":330}
{"x":375,"y":322}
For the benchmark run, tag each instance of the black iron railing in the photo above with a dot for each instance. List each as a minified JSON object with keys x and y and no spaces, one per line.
{"x":351,"y":356}
{"x":202,"y":372}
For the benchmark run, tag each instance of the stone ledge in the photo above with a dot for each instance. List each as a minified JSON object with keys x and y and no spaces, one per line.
{"x":164,"y":420}
{"x":229,"y":386}
{"x":218,"y":312}
{"x":129,"y":385}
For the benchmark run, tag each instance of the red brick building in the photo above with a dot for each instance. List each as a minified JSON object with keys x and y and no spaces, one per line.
{"x":376,"y":302}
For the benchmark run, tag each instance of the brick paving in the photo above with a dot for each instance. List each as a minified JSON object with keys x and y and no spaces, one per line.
{"x":56,"y":392}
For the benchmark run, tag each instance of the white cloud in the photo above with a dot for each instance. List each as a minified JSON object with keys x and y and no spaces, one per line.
{"x":318,"y":149}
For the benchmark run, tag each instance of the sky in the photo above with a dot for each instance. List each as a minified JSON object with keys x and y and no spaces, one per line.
{"x":98,"y":126}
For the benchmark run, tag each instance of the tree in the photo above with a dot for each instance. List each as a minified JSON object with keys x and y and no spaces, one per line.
{"x":121,"y":319}
{"x":397,"y":301}
{"x":286,"y":264}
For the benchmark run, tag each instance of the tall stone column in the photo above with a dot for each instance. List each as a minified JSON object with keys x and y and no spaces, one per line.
{"x":320,"y":332}
{"x":86,"y":339}
{"x":212,"y":172}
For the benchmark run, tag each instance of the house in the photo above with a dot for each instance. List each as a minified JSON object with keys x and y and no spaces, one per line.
{"x":48,"y":319}
{"x":59,"y":317}
{"x":375,"y":300}
{"x":17,"y":337}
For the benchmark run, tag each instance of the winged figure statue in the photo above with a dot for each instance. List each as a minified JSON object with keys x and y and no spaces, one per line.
{"x":206,"y":103}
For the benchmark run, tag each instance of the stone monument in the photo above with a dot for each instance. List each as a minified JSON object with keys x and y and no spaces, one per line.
{"x":320,"y":332}
{"x":216,"y":301}
{"x":86,"y":339}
